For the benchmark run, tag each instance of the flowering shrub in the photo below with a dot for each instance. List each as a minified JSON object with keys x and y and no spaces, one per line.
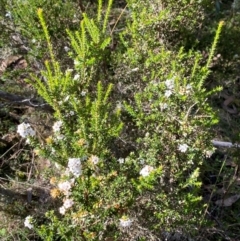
{"x":106,"y":189}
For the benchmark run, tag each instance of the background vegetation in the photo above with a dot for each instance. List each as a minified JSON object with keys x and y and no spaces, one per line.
{"x":108,"y":111}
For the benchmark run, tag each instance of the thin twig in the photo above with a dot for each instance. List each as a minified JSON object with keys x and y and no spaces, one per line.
{"x":118,"y":19}
{"x":8,"y":150}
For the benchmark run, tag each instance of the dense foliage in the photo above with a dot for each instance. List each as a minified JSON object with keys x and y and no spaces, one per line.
{"x":130,"y":119}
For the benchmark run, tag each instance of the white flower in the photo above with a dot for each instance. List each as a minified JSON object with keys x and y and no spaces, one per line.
{"x":135,"y":69}
{"x":119,"y":106}
{"x":146,"y":171}
{"x":94,"y":159}
{"x":209,"y":153}
{"x":75,"y":166}
{"x":183,"y":147}
{"x":76,"y":62}
{"x":66,"y":98}
{"x":141,"y":161}
{"x":188,"y":88}
{"x":62,"y":210}
{"x":57,"y":126}
{"x":8,"y":15}
{"x":68,"y":203}
{"x":163,"y":106}
{"x":28,"y":222}
{"x":25,"y":130}
{"x":121,"y":160}
{"x":59,"y":137}
{"x":34,"y":40}
{"x":69,"y":70}
{"x":65,"y":187}
{"x":28,"y":141}
{"x":125,"y":222}
{"x":83,"y":93}
{"x":190,"y":162}
{"x":66,"y":48}
{"x":169,"y":84}
{"x":70,"y":113}
{"x":76,"y":77}
{"x":168,"y":93}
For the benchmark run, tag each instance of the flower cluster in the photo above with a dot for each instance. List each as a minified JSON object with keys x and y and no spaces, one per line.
{"x":8,"y":14}
{"x":163,"y":106}
{"x":76,"y":63}
{"x":57,"y":126}
{"x":94,"y":159}
{"x":66,"y":205}
{"x":66,"y":48}
{"x":188,"y":88}
{"x":185,"y":90}
{"x":121,"y":160}
{"x":70,"y":113}
{"x":75,"y":166}
{"x":28,"y":222}
{"x":83,"y":93}
{"x":170,"y":86}
{"x":146,"y":171}
{"x":125,"y":222}
{"x":76,"y":77}
{"x":25,"y":130}
{"x":183,"y":148}
{"x":65,"y":187}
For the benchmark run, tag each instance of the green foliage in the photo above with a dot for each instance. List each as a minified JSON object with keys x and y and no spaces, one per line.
{"x":23,"y":15}
{"x":170,"y":111}
{"x":146,"y":91}
{"x":91,"y":111}
{"x":171,"y":146}
{"x":90,"y":48}
{"x":174,"y":24}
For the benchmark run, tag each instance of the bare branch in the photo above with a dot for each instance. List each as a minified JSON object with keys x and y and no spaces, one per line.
{"x":224,"y":144}
{"x":20,"y":100}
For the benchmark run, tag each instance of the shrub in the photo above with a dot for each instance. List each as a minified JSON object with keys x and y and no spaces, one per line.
{"x":132,"y":121}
